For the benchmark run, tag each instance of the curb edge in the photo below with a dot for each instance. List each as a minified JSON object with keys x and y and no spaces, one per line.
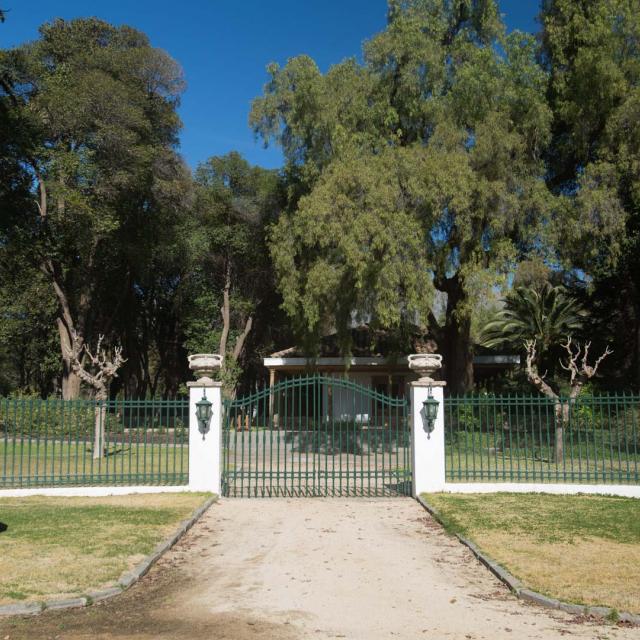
{"x":518,"y":589}
{"x":127,"y":578}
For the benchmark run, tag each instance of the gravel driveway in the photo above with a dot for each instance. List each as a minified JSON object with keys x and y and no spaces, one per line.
{"x":314,"y":568}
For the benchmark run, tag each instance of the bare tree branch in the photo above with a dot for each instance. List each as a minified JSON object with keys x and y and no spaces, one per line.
{"x":105,"y":364}
{"x":239,"y":346}
{"x":42,"y":203}
{"x":533,"y":375}
{"x":578,"y":365}
{"x":607,"y":352}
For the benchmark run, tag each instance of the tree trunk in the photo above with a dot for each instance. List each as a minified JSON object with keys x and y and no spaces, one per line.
{"x":558,"y":449}
{"x":562,"y":419}
{"x":458,"y":350}
{"x":99,"y":424}
{"x":225,"y":311}
{"x":70,"y":379}
{"x":98,"y":430}
{"x":636,"y":348}
{"x":69,"y":327}
{"x":70,"y":382}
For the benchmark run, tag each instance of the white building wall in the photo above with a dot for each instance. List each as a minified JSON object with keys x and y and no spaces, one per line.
{"x":348,"y":405}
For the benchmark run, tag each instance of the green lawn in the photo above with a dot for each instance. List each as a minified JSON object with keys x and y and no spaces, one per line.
{"x":588,"y":457}
{"x":68,"y":546}
{"x":537,"y":465}
{"x":583,"y":549}
{"x":59,"y":463}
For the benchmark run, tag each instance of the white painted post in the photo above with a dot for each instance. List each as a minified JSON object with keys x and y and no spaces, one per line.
{"x":427,"y":448}
{"x":204,"y":453}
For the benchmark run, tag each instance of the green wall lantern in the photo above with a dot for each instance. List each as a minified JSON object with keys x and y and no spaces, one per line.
{"x":429,"y":413}
{"x":204,"y":412}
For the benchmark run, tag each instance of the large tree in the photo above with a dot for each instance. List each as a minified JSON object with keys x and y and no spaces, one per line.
{"x":421,"y":167}
{"x":230,"y":281}
{"x":102,"y":103}
{"x":592,"y":52}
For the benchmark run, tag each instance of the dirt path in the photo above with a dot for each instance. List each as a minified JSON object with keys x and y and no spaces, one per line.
{"x":314,"y":568}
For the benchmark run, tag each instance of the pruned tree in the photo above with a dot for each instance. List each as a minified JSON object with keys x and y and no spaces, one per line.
{"x":102,"y":368}
{"x":578,"y":365}
{"x":580,"y":371}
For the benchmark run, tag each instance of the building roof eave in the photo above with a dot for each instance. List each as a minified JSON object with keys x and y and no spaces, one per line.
{"x":373,"y":361}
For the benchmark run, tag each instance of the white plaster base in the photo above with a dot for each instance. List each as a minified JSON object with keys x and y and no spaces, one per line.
{"x":205,"y":453}
{"x":89,"y":491}
{"x":628,"y":491}
{"x":427,"y":448}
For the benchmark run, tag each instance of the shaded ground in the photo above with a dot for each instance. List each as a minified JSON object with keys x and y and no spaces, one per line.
{"x":316,"y":568}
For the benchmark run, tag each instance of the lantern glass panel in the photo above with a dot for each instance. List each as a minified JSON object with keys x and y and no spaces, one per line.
{"x":204,"y":409}
{"x":431,"y":408}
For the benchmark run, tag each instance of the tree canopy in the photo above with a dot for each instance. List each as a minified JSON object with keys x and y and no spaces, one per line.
{"x":592,"y":53}
{"x":452,"y":171}
{"x":231,"y":280}
{"x":100,"y":104}
{"x":421,"y":168}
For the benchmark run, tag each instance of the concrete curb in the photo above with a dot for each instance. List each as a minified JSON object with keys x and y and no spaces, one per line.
{"x":528,"y":595}
{"x":127,"y":578}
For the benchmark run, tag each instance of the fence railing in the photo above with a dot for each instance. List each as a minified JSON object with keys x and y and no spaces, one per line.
{"x":61,"y":443}
{"x":518,"y":438}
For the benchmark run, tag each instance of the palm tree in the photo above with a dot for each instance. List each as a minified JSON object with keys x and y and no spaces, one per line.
{"x":546,"y":315}
{"x":541,"y":322}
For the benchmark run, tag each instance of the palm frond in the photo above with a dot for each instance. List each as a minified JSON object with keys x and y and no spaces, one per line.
{"x":546,"y":315}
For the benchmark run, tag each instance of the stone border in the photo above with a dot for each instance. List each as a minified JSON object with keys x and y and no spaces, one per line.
{"x":128,"y":577}
{"x":517,"y":588}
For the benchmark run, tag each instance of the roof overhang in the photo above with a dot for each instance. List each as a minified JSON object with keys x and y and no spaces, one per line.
{"x":374,"y":361}
{"x":496,"y":359}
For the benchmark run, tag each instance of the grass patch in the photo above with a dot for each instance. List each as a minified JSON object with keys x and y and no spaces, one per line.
{"x":583,"y":549}
{"x":67,"y":546}
{"x":482,"y":459}
{"x":60,"y":463}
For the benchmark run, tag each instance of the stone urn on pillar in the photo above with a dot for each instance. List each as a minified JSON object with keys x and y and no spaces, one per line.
{"x":425,"y":365}
{"x":205,"y":424}
{"x":204,"y":365}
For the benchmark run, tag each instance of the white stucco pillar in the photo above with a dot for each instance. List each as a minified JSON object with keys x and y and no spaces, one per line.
{"x":205,"y":452}
{"x":427,"y":448}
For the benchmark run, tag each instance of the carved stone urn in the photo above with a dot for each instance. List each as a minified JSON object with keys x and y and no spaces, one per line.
{"x":425,"y":365}
{"x":204,"y":365}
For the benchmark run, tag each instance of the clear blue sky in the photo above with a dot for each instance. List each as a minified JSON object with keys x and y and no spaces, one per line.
{"x":224,"y":48}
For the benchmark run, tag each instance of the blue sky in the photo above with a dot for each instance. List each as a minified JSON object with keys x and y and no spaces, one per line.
{"x":224,"y":48}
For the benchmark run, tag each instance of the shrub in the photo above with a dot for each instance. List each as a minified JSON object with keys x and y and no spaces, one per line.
{"x":626,"y":430}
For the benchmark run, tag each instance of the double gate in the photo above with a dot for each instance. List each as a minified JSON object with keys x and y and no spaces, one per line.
{"x":316,"y":436}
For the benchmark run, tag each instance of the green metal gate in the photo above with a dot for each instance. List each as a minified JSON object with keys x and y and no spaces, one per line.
{"x":316,"y":436}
